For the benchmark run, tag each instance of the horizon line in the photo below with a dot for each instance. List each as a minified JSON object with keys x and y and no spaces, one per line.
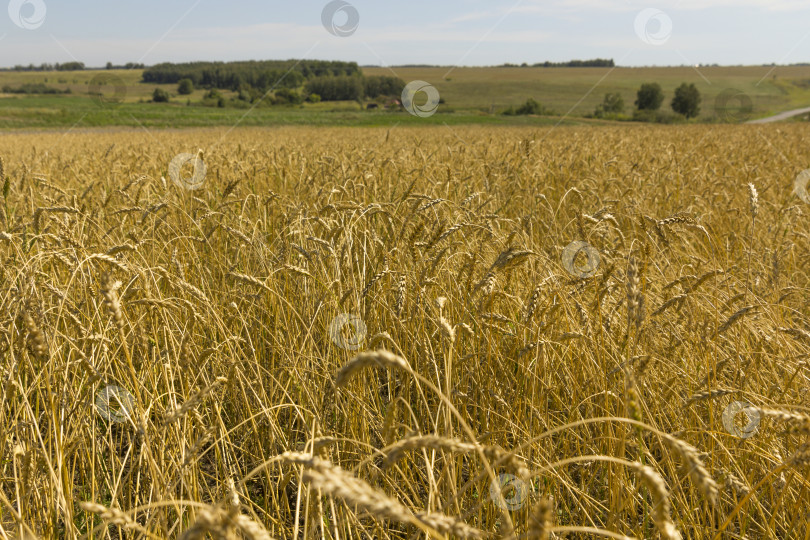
{"x":521,"y":65}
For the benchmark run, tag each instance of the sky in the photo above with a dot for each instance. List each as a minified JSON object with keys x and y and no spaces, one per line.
{"x":386,"y":33}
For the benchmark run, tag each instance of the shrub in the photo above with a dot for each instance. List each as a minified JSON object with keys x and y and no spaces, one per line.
{"x":34,"y":88}
{"x":658,"y":117}
{"x":285,"y":96}
{"x":249,"y":93}
{"x":185,"y":87}
{"x":531,"y":106}
{"x":612,"y":104}
{"x":160,"y":95}
{"x":213,"y":98}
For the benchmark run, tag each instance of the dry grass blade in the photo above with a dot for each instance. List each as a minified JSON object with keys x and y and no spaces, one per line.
{"x":193,"y":401}
{"x":396,"y":451}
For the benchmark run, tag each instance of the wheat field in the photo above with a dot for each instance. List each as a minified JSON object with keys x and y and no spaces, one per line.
{"x":405,"y":333}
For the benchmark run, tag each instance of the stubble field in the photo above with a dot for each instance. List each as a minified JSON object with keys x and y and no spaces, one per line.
{"x":367,"y":333}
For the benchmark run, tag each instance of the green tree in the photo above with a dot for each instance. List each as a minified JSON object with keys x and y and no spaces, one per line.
{"x":185,"y":87}
{"x":160,"y":95}
{"x":613,"y":103}
{"x":649,"y":97}
{"x":687,"y":100}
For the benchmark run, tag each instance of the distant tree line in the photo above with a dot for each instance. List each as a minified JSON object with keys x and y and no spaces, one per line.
{"x":354,"y":88}
{"x":414,"y":66}
{"x":255,"y":74}
{"x":67,"y":66}
{"x":70,"y":66}
{"x":336,"y":88}
{"x":596,"y":62}
{"x":329,"y":81}
{"x":128,"y":65}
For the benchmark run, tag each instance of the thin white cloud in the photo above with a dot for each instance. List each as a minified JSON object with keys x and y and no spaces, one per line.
{"x":476,"y":16}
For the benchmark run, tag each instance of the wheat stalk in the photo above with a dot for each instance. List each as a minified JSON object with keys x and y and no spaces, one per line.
{"x":331,"y":479}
